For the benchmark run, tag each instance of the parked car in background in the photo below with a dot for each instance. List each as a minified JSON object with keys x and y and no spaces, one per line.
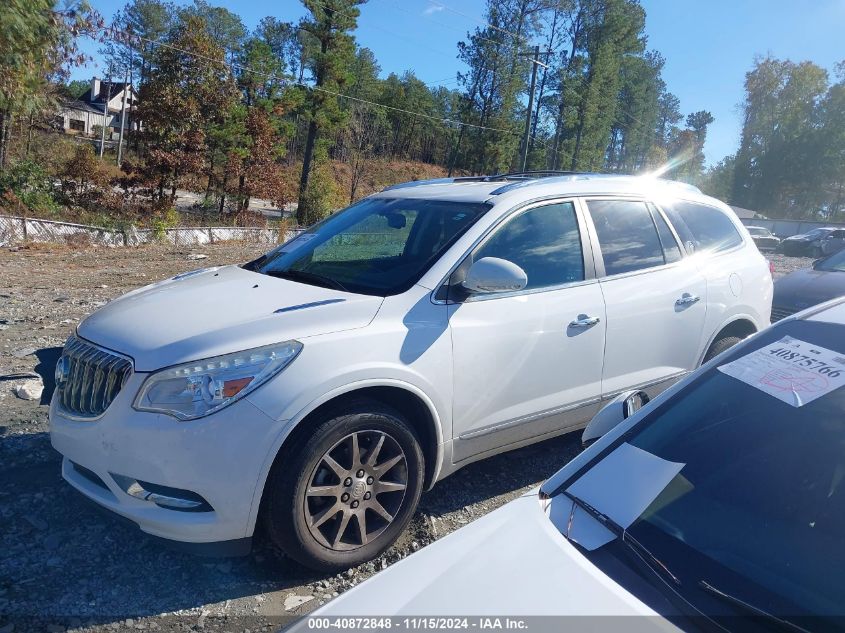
{"x":722,"y":498}
{"x":763,"y":238}
{"x":324,"y":385}
{"x":807,"y":244}
{"x":810,"y":286}
{"x":834,"y":242}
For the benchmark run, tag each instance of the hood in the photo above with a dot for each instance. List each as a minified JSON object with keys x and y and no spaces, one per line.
{"x":805,"y":288}
{"x":511,"y":562}
{"x":218,"y":311}
{"x":803,"y":237}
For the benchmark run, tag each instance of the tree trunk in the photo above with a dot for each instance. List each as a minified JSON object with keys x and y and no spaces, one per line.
{"x":307,"y":157}
{"x":29,"y":134}
{"x":6,"y":121}
{"x":223,"y":192}
{"x":575,"y":153}
{"x":210,"y":184}
{"x":455,"y":151}
{"x":241,"y":182}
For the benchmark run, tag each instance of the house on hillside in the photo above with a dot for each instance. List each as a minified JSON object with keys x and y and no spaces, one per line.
{"x":102,"y":104}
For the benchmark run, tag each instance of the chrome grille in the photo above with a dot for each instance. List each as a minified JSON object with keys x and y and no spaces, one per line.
{"x":781,"y":313}
{"x":89,"y":377}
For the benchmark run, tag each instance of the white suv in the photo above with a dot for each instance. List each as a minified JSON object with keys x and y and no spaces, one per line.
{"x":324,"y":385}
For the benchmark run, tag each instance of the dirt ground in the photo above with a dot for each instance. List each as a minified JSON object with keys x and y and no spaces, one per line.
{"x":66,"y":565}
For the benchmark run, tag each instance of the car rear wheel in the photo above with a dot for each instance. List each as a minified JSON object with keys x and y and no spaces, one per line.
{"x":719,"y":346}
{"x":343,"y":495}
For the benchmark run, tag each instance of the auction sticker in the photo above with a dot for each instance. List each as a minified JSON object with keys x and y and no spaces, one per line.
{"x":791,"y":370}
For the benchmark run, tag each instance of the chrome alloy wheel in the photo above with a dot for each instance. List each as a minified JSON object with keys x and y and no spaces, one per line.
{"x":355,"y":490}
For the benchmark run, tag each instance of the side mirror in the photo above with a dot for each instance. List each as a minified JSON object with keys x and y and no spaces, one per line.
{"x":396,"y":220}
{"x":491,"y":274}
{"x":612,"y":414}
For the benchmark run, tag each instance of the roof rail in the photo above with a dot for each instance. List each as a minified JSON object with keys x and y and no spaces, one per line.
{"x":434,"y":181}
{"x":515,"y":175}
{"x":519,"y":179}
{"x":530,"y":175}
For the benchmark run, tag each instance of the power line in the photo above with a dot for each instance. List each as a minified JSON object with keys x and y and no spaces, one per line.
{"x":396,"y":7}
{"x":381,"y":28}
{"x":113,"y":32}
{"x":479,"y":21}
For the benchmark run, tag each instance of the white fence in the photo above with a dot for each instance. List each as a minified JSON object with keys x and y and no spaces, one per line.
{"x":17,"y":229}
{"x":785,"y":228}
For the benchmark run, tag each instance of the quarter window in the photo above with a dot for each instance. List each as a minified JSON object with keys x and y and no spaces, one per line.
{"x":627,"y":235}
{"x":706,"y":227}
{"x":544,"y":242}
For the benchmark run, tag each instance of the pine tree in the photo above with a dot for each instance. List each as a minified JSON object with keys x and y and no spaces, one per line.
{"x":331,"y":49}
{"x":188,"y":94}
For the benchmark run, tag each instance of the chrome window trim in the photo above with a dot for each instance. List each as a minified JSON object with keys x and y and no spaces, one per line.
{"x":601,"y":273}
{"x":590,"y":276}
{"x":655,"y":209}
{"x":708,"y":253}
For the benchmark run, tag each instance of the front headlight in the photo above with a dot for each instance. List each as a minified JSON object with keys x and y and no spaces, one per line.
{"x":196,"y":389}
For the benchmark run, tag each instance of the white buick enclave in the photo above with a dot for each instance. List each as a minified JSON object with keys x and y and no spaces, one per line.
{"x":324,"y":385}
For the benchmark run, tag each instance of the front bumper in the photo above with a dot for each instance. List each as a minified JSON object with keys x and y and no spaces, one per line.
{"x":796,"y":248}
{"x":222,"y":458}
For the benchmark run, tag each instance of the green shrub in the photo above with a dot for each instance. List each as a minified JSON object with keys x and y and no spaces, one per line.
{"x":319,"y":198}
{"x":167,"y":219}
{"x":31,"y":185}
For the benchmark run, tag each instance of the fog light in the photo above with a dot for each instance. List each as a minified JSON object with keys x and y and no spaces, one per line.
{"x":162,"y":496}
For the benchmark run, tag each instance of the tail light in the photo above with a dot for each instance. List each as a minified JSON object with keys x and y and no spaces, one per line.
{"x":771,"y":267}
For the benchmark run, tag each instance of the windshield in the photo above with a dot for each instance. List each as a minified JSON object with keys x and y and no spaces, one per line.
{"x":817,"y":232}
{"x":754,"y":230}
{"x":758,"y":508}
{"x":834,"y":263}
{"x":379,"y":246}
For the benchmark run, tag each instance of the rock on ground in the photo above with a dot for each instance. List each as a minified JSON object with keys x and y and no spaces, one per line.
{"x":30,"y":390}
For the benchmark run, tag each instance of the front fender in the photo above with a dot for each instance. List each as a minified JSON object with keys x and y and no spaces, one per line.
{"x":287,"y":426}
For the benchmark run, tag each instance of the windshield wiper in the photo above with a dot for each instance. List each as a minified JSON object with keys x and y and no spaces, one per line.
{"x":308,"y":277}
{"x":748,"y":608}
{"x":625,"y":538}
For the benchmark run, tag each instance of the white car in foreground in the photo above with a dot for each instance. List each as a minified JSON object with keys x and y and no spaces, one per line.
{"x":324,"y":385}
{"x":722,"y":498}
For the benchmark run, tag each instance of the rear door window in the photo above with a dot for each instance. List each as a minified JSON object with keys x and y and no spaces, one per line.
{"x":706,"y":228}
{"x":627,"y":235}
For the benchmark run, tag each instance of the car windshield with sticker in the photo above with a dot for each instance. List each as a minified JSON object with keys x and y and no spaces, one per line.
{"x":751,"y":456}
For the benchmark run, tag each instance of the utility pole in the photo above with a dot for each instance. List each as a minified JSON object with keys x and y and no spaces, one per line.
{"x":105,"y":115}
{"x":126,"y":87}
{"x":535,"y":62}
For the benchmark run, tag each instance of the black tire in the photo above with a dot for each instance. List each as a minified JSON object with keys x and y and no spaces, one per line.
{"x":719,"y":346}
{"x":290,"y":514}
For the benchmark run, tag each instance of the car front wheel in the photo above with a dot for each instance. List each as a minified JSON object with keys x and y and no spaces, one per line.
{"x":344,"y":494}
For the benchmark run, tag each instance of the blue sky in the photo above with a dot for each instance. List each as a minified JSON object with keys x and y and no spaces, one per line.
{"x":708,"y":46}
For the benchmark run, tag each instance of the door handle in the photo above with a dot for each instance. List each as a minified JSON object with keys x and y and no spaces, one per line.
{"x":584,"y":321}
{"x":687,"y":299}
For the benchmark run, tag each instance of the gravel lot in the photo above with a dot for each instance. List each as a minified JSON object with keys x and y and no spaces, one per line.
{"x":65,"y":564}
